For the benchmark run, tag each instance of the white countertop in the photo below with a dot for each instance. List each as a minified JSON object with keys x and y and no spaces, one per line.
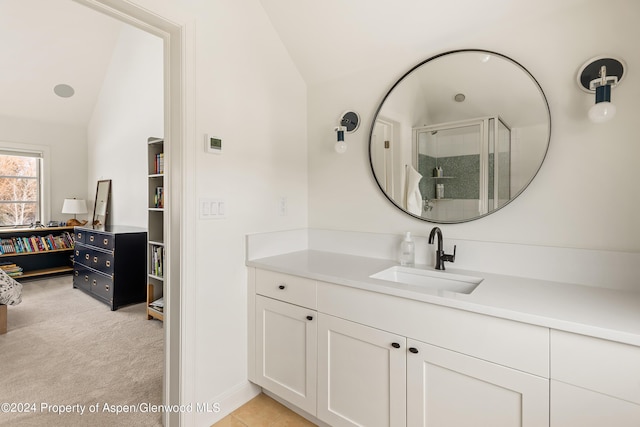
{"x":598,"y":312}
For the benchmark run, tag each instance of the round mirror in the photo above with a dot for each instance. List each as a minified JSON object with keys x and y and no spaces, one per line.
{"x":459,"y":136}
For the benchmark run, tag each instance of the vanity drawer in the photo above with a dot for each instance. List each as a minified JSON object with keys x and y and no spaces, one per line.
{"x":292,"y":289}
{"x":599,"y":365}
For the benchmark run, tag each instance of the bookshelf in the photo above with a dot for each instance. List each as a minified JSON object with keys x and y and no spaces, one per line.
{"x":155,"y":243}
{"x":36,"y":252}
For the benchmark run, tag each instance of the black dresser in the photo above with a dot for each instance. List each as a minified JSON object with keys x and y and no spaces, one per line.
{"x":110,"y":264}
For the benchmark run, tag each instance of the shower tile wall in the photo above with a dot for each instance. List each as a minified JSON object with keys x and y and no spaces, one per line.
{"x":462,"y":172}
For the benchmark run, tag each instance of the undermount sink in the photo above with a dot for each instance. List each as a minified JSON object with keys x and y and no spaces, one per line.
{"x":433,"y":279}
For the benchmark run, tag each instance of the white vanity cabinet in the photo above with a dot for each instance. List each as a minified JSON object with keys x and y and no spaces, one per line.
{"x":374,"y":378}
{"x":352,"y":357}
{"x":450,"y":389}
{"x":594,"y":382}
{"x":515,"y":352}
{"x":286,"y":338}
{"x":361,"y":375}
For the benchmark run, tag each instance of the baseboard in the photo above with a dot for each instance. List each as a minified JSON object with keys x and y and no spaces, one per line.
{"x":226,"y":403}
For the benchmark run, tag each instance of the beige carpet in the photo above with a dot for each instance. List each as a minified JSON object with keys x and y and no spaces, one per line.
{"x":65,"y":348}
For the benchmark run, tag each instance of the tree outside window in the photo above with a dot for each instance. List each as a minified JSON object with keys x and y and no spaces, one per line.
{"x":19,"y":189}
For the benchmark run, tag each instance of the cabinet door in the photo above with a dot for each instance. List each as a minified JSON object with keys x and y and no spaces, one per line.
{"x":574,"y":406}
{"x":286,"y":351}
{"x":361,"y":375}
{"x":450,"y":389}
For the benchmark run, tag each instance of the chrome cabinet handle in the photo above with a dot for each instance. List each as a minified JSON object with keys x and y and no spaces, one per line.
{"x":108,"y":263}
{"x":105,"y":242}
{"x":91,"y":238}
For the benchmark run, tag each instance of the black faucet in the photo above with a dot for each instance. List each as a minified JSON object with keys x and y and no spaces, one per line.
{"x":441,"y":257}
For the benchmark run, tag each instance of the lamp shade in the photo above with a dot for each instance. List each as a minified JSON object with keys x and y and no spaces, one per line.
{"x":74,"y":206}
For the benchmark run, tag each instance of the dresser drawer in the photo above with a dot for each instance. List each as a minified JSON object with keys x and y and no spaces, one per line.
{"x":595,"y":364}
{"x":102,"y":286}
{"x":99,"y":240}
{"x":96,"y":259}
{"x":81,"y":277}
{"x":79,"y":236}
{"x":292,"y":289}
{"x":101,"y":261}
{"x":82,"y":255}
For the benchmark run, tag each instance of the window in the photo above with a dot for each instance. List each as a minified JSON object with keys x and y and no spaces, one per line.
{"x":20,"y":187}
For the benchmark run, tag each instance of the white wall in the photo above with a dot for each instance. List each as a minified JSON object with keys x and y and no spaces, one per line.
{"x":249,"y":93}
{"x":128,"y":111}
{"x":67,"y":157}
{"x":571,"y":203}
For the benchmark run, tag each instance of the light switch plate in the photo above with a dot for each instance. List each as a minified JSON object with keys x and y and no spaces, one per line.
{"x":212,"y":209}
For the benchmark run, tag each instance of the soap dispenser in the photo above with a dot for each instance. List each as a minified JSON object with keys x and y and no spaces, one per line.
{"x":407,"y":253}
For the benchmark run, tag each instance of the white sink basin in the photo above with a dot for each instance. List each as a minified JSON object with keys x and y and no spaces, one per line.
{"x":434,"y":279}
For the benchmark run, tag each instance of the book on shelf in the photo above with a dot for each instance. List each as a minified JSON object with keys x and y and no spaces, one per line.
{"x":159,"y":164}
{"x":11,"y":269}
{"x":157,"y":261}
{"x":17,"y":245}
{"x":158,"y":198}
{"x":157,"y":304}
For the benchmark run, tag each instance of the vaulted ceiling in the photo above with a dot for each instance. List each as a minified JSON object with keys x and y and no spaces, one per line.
{"x":44,"y":43}
{"x":329,"y":39}
{"x":48,"y":42}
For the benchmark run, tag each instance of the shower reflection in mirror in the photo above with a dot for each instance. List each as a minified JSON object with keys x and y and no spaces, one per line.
{"x":465,"y":167}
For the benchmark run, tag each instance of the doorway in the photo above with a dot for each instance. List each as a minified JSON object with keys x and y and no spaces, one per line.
{"x":177,"y":92}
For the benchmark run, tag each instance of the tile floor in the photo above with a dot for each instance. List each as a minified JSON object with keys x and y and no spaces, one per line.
{"x":263,"y":411}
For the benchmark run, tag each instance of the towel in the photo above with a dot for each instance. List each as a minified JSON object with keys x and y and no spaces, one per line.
{"x":413,"y":197}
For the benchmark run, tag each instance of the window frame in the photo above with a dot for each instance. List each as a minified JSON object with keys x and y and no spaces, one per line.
{"x":41,"y":152}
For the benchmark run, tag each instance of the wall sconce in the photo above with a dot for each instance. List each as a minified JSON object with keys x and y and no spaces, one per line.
{"x":349,"y":122}
{"x":599,"y":75}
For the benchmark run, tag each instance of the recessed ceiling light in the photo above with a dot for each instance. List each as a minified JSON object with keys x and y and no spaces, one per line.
{"x":64,"y":91}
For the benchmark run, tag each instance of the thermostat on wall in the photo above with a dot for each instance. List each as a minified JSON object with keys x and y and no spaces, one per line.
{"x":212,"y":144}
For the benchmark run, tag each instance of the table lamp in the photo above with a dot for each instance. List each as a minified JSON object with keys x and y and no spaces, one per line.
{"x":74,"y":206}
